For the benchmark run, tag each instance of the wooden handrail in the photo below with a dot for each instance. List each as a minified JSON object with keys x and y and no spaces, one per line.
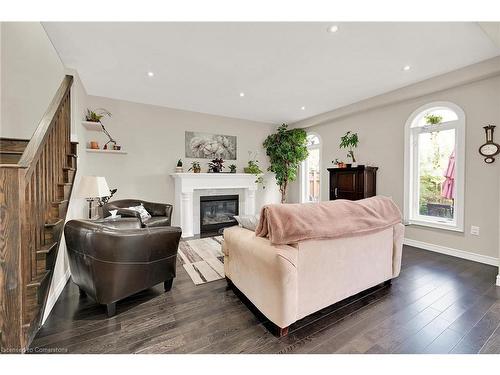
{"x":33,"y":149}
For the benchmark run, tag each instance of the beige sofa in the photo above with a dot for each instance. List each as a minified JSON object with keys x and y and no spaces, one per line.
{"x":287,"y":283}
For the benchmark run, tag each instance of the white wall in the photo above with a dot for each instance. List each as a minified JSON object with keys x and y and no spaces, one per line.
{"x":154,"y":139}
{"x":31,"y":73}
{"x":381,"y":131}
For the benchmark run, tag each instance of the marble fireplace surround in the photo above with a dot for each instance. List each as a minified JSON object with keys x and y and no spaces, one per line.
{"x":190,"y":186}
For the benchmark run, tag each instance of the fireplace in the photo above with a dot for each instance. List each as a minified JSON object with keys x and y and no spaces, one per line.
{"x":217,"y":212}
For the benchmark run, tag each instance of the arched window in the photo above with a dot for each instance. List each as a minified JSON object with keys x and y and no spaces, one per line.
{"x":434,"y":166}
{"x":310,"y":171}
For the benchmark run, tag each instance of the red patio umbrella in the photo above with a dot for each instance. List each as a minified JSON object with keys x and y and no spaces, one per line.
{"x":448,"y":187}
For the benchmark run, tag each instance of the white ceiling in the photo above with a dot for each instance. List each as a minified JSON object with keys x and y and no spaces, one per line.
{"x":280,"y":67}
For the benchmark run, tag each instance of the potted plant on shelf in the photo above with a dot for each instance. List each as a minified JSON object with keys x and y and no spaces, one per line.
{"x":431,"y":119}
{"x":350,"y":140}
{"x":232,"y":168}
{"x":216,"y":165}
{"x":195,"y":167}
{"x":96,"y":116}
{"x":286,"y":149}
{"x":179,"y":168}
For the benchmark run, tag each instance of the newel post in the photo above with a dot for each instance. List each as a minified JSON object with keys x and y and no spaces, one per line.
{"x":11,"y":286}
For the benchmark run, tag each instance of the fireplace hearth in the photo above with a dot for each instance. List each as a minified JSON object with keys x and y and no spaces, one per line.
{"x":217,"y":212}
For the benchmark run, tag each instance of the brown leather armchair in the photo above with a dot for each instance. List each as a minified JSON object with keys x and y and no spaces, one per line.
{"x":161,"y":213}
{"x":113,"y":259}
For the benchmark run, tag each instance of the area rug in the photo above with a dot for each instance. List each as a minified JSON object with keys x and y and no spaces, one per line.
{"x":202,"y":259}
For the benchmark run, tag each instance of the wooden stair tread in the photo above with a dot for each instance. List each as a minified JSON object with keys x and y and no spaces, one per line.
{"x":37,"y":281}
{"x":45,"y":249}
{"x":69,"y":169}
{"x":13,"y":144}
{"x":11,"y":152}
{"x":65,"y":184}
{"x":72,"y":155}
{"x":53,"y":223}
{"x":14,"y":139}
{"x":55,"y":203}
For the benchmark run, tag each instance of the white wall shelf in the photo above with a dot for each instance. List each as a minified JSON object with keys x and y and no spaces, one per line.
{"x":93,"y":126}
{"x":106,"y":151}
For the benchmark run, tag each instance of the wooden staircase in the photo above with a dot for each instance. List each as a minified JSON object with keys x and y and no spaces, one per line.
{"x":36,"y":181}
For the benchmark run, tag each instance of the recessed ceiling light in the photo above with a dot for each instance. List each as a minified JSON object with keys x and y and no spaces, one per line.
{"x":333,"y":29}
{"x":242,"y":94}
{"x":406,"y":68}
{"x":150,"y":74}
{"x":303,"y":108}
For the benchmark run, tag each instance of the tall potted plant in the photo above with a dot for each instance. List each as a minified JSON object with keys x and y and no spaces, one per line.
{"x":286,"y":149}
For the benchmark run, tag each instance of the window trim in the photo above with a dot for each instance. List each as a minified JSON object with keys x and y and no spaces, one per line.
{"x":303,"y":170}
{"x":410,"y":165}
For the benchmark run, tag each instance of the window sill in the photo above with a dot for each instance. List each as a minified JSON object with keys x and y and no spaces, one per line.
{"x":435,"y":225}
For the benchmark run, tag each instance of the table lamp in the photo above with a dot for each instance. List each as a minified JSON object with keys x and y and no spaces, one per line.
{"x":92,"y":188}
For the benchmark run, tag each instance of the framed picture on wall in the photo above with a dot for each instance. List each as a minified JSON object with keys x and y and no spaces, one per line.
{"x":210,"y":146}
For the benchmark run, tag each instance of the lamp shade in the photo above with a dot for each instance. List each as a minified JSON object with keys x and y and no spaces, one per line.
{"x":93,"y":187}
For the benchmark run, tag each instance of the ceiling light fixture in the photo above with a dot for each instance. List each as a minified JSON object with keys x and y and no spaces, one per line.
{"x":150,"y":74}
{"x":242,"y":94}
{"x":406,"y":68}
{"x":303,"y":108}
{"x":333,"y":29}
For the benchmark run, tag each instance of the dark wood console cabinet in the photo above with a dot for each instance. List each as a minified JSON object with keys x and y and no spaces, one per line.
{"x":353,"y":183}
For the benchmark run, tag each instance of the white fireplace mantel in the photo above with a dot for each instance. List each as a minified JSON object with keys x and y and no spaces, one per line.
{"x":187,"y":183}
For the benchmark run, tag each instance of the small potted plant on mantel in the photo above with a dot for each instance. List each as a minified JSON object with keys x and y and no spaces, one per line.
{"x":216,"y":165}
{"x":195,"y":167}
{"x":253,"y":168}
{"x":350,"y":140}
{"x":232,"y":168}
{"x":179,"y":168}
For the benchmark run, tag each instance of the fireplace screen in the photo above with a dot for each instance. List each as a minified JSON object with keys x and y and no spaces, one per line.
{"x":217,"y":211}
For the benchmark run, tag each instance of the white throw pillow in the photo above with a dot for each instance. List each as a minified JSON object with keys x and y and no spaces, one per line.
{"x":249,"y":222}
{"x":142,"y":211}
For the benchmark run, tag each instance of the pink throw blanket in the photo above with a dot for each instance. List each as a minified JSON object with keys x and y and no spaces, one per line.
{"x":291,"y":223}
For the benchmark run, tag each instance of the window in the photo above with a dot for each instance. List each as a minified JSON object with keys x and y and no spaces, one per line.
{"x":310,"y":171}
{"x":434,"y":166}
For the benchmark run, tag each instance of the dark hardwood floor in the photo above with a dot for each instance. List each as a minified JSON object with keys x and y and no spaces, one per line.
{"x":439,"y":304}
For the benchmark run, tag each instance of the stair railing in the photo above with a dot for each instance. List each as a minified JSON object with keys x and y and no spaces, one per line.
{"x":28,"y":192}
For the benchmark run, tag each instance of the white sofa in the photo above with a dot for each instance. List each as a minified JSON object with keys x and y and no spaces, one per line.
{"x":288,"y":282}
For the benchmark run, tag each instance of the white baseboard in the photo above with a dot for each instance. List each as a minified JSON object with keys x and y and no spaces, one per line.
{"x":453,"y":252}
{"x":56,"y":292}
